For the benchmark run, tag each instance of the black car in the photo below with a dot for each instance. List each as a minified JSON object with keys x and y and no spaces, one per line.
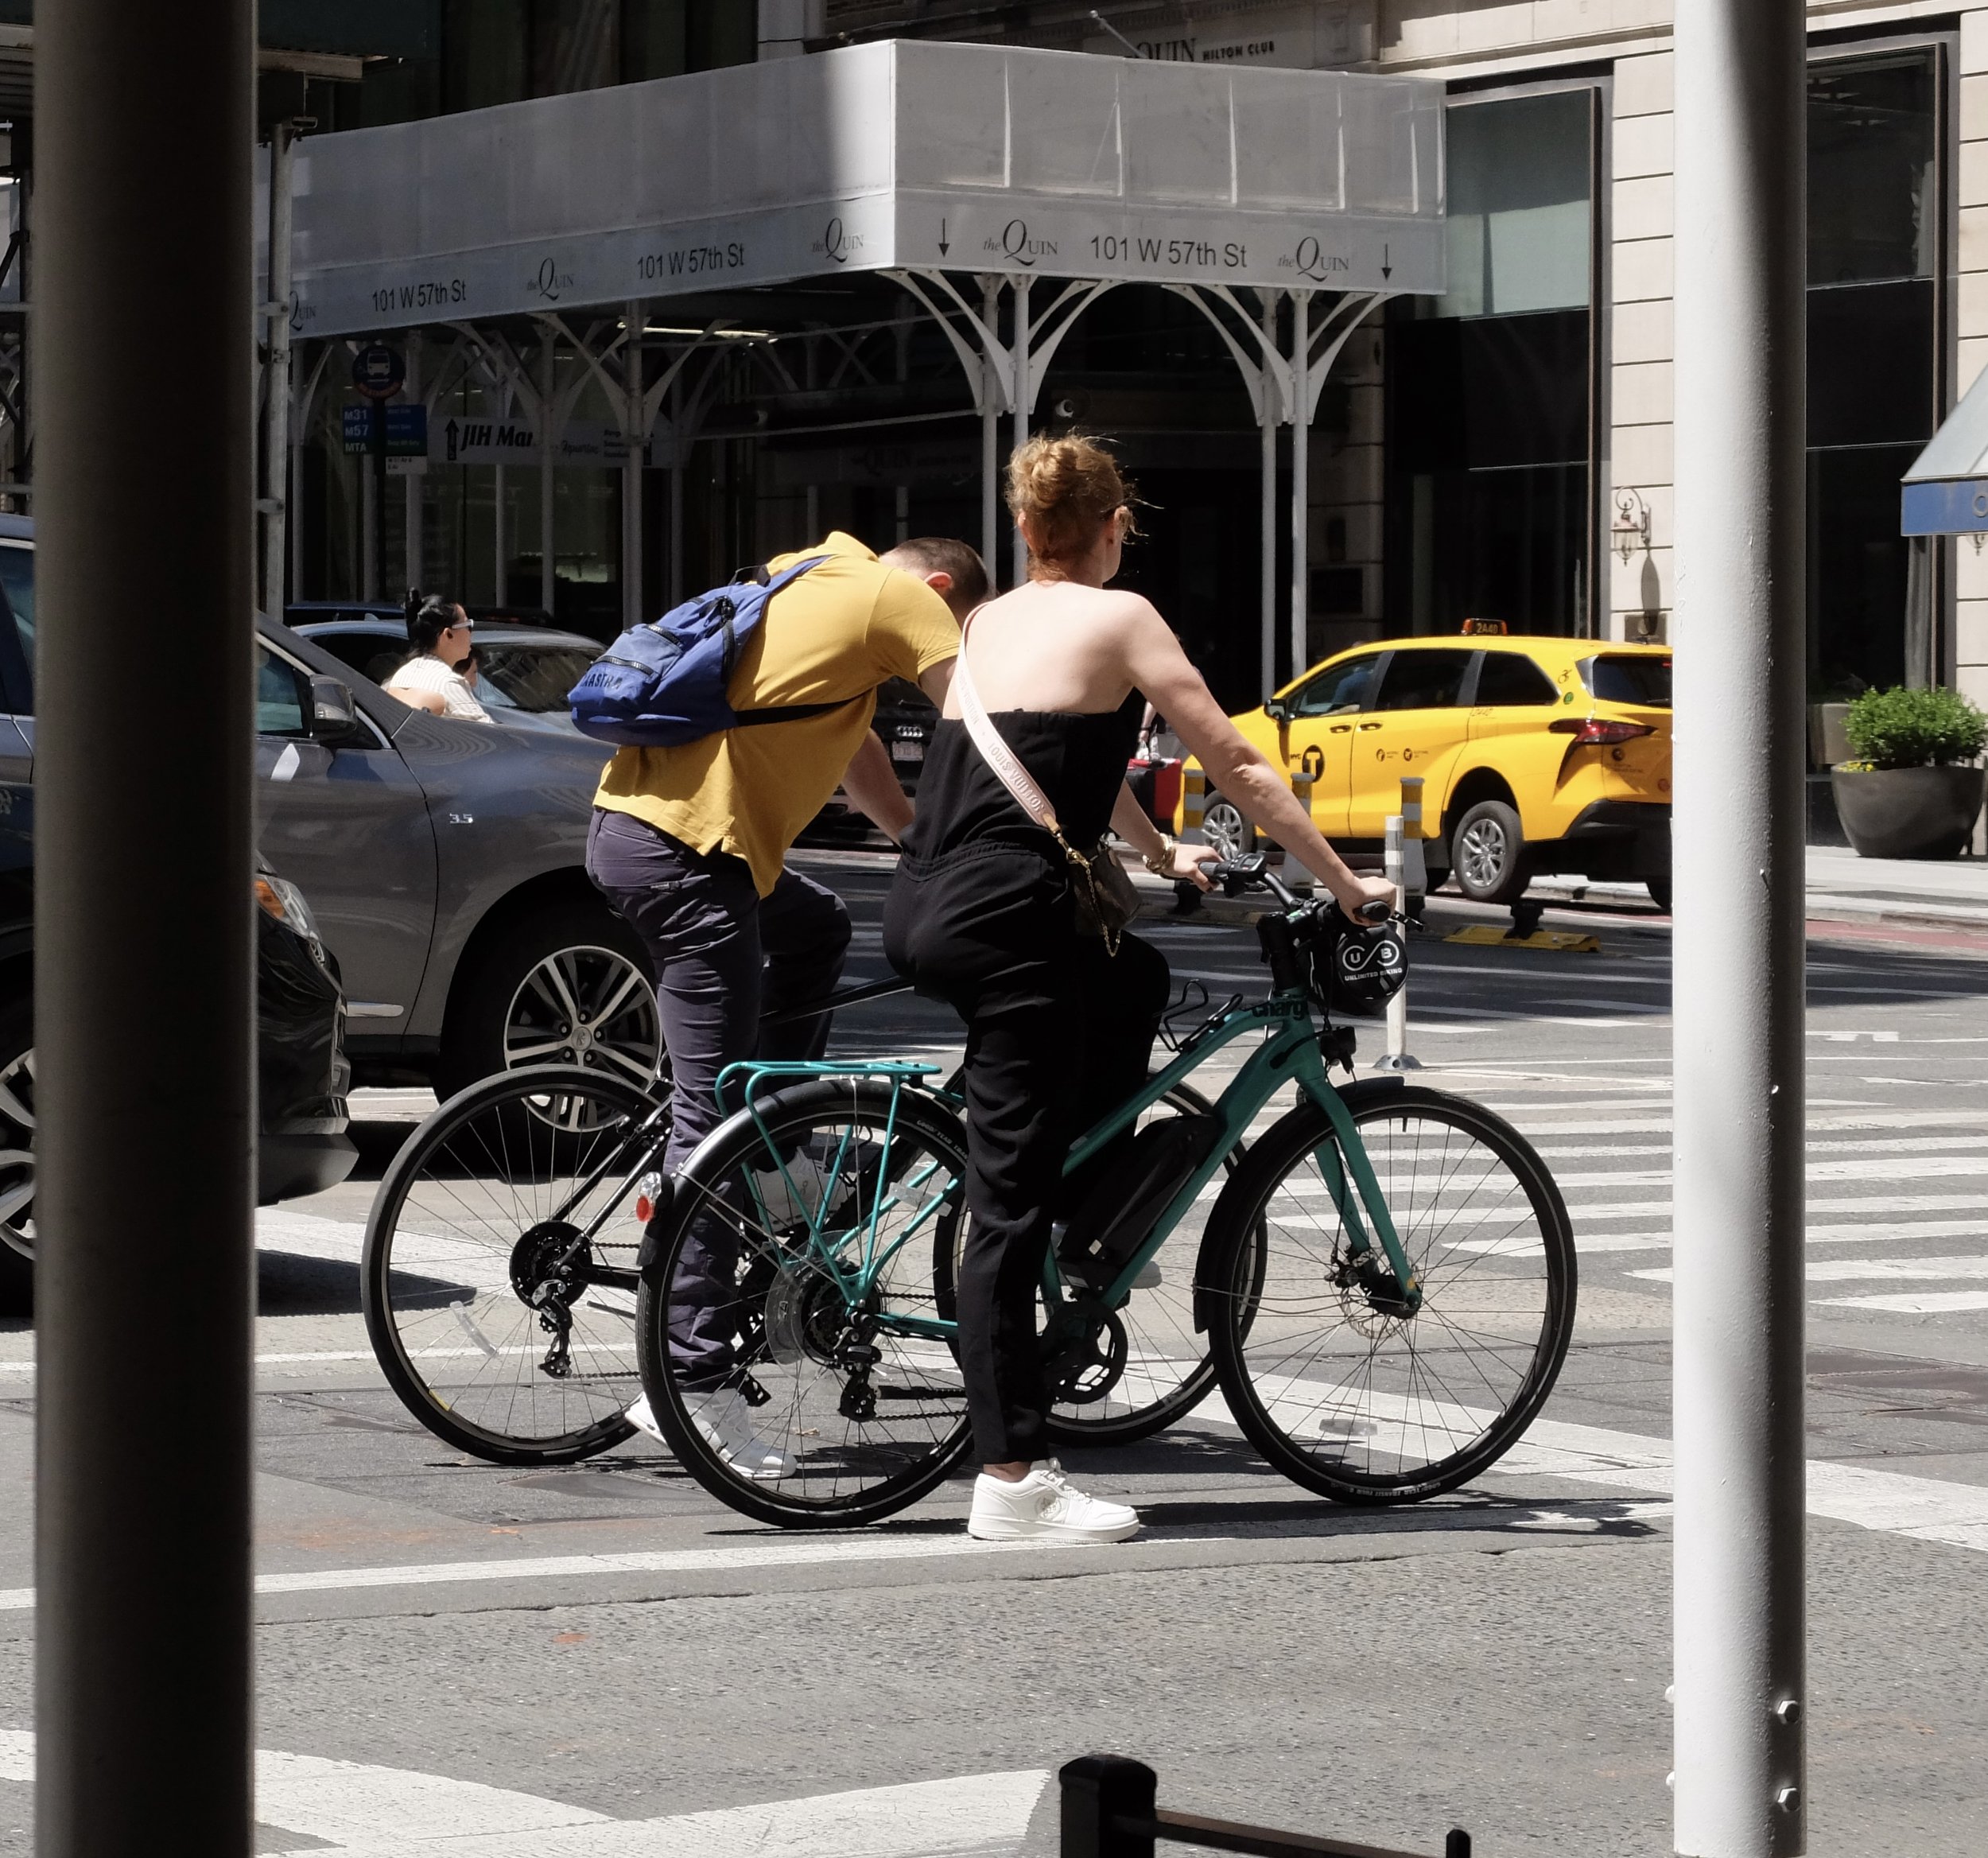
{"x":302,"y":1073}
{"x":904,"y":720}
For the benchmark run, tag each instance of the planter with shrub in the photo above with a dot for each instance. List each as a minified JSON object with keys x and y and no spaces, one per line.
{"x":1913,"y":791}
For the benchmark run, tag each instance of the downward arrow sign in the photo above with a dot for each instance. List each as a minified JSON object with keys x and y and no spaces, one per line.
{"x":943,"y":248}
{"x":1387,"y":261}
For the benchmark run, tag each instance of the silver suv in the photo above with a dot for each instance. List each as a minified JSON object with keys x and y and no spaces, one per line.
{"x":444,"y":860}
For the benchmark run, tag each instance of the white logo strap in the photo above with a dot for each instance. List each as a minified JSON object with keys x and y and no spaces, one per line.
{"x":1002,"y":760}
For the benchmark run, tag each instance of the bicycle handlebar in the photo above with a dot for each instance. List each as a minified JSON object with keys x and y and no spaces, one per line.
{"x":1236,"y":875}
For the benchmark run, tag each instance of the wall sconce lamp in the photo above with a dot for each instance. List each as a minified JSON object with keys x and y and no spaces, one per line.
{"x":1631,"y":527}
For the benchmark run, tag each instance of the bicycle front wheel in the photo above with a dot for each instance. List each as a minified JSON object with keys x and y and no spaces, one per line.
{"x":486,"y":1307}
{"x":1343,"y":1383}
{"x":810,"y":1222}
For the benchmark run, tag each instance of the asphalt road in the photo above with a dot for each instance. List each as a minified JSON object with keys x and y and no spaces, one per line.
{"x":456,"y":1657}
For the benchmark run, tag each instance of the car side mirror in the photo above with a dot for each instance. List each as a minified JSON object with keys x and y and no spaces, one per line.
{"x":334,"y":715}
{"x":1277,"y":709}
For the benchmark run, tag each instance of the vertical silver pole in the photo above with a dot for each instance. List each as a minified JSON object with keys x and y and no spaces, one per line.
{"x":277,"y":453}
{"x":632,"y":603}
{"x":548,"y":392}
{"x":1300,"y":475}
{"x":142,"y":1653}
{"x":1395,"y":868}
{"x":1017,"y":288}
{"x":1268,"y":414}
{"x":415,"y":482}
{"x":990,"y":436}
{"x":369,"y":565}
{"x":1737,"y":1396}
{"x":679,"y":459}
{"x":502,"y":596}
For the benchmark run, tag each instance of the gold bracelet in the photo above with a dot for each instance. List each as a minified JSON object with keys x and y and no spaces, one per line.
{"x":1161,"y":863}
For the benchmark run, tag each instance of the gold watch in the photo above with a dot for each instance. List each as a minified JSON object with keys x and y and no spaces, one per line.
{"x":1161,"y":863}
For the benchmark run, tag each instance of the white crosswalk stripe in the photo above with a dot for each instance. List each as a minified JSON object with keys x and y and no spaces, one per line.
{"x":1865,"y":1169}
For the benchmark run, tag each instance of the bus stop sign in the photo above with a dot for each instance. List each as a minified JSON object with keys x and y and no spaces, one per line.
{"x":379,"y":371}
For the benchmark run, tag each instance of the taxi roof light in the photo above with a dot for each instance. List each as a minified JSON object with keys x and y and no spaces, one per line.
{"x":1489,"y":628}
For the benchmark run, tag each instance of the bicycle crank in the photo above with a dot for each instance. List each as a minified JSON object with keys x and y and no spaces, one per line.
{"x":1091,"y":1366}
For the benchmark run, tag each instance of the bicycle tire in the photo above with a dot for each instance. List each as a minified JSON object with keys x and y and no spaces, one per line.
{"x":794,"y":1325}
{"x":1162,"y":1342}
{"x":446,"y":1241}
{"x":1472,"y":1231}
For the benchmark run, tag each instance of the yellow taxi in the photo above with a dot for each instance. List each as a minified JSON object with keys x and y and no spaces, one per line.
{"x":1536,"y":755}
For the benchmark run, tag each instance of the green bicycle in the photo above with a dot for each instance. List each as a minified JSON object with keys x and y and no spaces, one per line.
{"x":1384,"y":1289}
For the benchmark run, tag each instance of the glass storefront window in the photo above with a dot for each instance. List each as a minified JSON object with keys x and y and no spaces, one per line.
{"x":1491,"y":387}
{"x":1872,"y":193}
{"x":1873,"y":349}
{"x":1521,"y":182}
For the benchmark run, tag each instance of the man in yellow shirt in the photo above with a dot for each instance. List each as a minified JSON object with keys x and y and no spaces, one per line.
{"x":689,"y":844}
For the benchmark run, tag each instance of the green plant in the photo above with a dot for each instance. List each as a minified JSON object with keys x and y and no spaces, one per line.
{"x":1914,"y":728}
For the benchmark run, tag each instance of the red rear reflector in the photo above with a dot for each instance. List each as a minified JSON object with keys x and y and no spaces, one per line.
{"x":1594,"y":733}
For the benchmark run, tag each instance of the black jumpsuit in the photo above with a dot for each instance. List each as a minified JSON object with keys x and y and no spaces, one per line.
{"x":1058,"y":1033}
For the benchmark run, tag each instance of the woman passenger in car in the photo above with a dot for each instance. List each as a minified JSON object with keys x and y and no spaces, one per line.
{"x":431,"y":678}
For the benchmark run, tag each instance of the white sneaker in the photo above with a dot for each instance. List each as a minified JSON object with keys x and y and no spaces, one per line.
{"x":722,"y":1416}
{"x":1043,"y":1507}
{"x":790,"y":1194}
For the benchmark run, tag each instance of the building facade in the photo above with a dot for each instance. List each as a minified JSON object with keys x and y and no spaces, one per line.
{"x":1506,"y":451}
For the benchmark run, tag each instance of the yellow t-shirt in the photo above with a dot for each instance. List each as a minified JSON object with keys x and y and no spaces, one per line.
{"x":840,"y":631}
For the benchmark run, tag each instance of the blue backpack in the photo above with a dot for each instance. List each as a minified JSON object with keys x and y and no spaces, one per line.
{"x":664,"y":684}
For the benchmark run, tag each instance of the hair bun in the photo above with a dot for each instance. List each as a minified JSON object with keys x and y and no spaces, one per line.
{"x":1065,"y":489}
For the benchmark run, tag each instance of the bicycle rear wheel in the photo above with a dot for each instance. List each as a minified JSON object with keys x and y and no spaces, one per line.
{"x":846,"y":1401}
{"x":1326,"y":1371}
{"x":498,"y":1334}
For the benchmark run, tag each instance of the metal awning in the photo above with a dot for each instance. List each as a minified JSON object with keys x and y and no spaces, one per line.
{"x":1945,"y":490}
{"x":902,"y":155}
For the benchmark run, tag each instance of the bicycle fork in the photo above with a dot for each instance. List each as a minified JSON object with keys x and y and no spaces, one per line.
{"x":1382,"y":1274}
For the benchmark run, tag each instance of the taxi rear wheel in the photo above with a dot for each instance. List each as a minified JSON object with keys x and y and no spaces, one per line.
{"x":1487,"y":853}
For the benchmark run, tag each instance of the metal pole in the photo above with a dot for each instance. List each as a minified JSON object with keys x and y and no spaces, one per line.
{"x":277,"y":453}
{"x":369,"y":515}
{"x":679,"y":457}
{"x":415,"y":482}
{"x":548,"y":381}
{"x":1019,"y":290}
{"x":1738,"y":1317}
{"x":1395,"y":869}
{"x":1300,"y":474}
{"x":990,"y":436}
{"x":631,"y":601}
{"x":143,"y":1651}
{"x":502,"y":596}
{"x":1268,"y":414}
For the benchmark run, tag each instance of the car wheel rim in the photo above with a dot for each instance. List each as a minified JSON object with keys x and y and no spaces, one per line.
{"x":17,"y":1154}
{"x":587,"y":1006}
{"x":1222,"y":826}
{"x":1481,"y":855}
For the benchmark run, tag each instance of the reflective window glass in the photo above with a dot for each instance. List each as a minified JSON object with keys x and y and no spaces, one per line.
{"x":280,"y":697}
{"x":1422,"y":680}
{"x":1627,"y":678}
{"x":1345,"y":687}
{"x":16,"y":577}
{"x":1873,"y":202}
{"x":1518,"y":179}
{"x":1507,"y":678}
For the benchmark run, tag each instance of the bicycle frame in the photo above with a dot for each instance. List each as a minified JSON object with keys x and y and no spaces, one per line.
{"x":1291,"y":1053}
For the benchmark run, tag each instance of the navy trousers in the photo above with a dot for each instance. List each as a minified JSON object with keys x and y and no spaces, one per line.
{"x":723,"y":955}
